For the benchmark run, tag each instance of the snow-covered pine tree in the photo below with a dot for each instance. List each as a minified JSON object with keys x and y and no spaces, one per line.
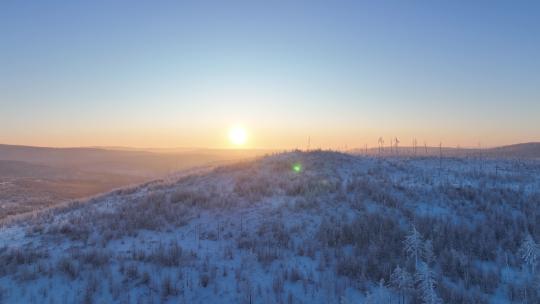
{"x":413,"y":245}
{"x":427,"y":252}
{"x":529,"y":253}
{"x":379,"y":294}
{"x":426,"y":284}
{"x":402,"y":282}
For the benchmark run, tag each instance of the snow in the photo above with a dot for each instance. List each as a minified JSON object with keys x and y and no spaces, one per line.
{"x":251,"y":232}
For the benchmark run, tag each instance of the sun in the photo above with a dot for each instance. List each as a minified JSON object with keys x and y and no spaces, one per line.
{"x":238,"y":135}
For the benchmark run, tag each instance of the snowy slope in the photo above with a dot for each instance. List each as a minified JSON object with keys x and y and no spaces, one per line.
{"x":332,"y":231}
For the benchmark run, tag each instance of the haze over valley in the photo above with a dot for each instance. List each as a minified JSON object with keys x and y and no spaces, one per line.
{"x":33,"y":178}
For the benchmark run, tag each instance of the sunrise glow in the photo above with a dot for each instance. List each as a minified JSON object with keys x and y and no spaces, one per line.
{"x":237,"y":135}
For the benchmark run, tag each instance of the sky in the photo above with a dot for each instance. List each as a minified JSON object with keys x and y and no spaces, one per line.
{"x":342,"y":73}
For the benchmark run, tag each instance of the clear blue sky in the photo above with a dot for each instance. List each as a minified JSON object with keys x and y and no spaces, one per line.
{"x":179,"y":73}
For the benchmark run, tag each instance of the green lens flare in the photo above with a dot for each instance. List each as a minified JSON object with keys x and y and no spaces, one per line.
{"x":297,"y":167}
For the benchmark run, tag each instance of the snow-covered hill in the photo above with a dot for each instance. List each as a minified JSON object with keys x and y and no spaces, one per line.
{"x":298,"y":227}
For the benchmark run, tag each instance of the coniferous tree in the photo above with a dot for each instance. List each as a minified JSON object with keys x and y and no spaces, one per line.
{"x":427,"y":252}
{"x":426,"y":284}
{"x":402,"y":282}
{"x":529,"y":253}
{"x":413,"y":245}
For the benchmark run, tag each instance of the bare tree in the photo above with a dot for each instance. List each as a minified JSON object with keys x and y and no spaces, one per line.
{"x":480,"y":156}
{"x":440,"y":158}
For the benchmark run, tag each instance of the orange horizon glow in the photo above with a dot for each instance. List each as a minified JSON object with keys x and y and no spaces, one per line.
{"x":259,"y":138}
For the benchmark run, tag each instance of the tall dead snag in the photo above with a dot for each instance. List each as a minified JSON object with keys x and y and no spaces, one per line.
{"x":440,"y":158}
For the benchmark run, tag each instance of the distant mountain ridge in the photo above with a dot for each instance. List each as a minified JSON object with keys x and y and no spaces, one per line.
{"x":524,"y":150}
{"x":128,"y":161}
{"x":529,"y":150}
